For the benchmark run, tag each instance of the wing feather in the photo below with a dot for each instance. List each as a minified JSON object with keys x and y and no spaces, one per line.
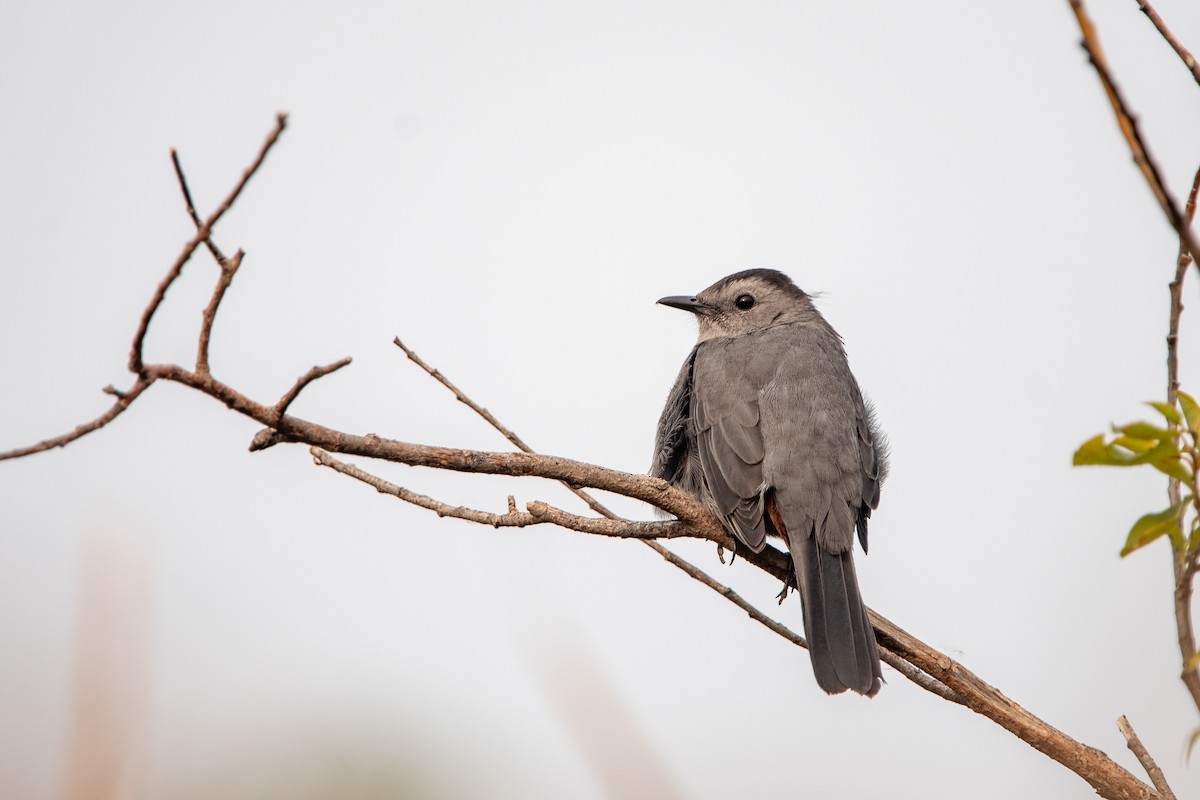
{"x":729,"y":442}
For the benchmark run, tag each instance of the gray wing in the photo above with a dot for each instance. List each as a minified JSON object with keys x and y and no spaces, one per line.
{"x":671,"y":446}
{"x":728,"y":440}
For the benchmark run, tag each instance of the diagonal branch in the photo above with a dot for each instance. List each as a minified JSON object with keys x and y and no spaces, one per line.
{"x":124,"y":400}
{"x":1145,"y":759}
{"x":304,"y":380}
{"x":191,"y":206}
{"x":512,"y":519}
{"x":1129,"y":129}
{"x":1179,"y":49}
{"x":537,"y":513}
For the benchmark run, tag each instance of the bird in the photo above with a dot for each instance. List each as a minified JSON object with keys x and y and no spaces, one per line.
{"x":767,"y":426}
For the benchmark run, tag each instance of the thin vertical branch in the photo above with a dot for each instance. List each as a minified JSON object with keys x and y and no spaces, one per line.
{"x":229,"y":268}
{"x":1182,"y":262}
{"x":1183,"y":562}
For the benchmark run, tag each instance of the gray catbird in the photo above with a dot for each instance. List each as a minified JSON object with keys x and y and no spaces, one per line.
{"x":767,"y":426}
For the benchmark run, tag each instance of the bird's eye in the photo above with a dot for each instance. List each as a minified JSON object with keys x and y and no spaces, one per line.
{"x":745,"y":302}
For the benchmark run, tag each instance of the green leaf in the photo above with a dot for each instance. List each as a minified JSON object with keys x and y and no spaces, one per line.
{"x":1144,"y":430}
{"x":1151,"y":526}
{"x":1191,"y":411}
{"x":1096,"y":452}
{"x":1192,"y":743}
{"x":1136,"y":446}
{"x":1092,"y":452}
{"x":1194,"y":539}
{"x":1160,"y":452}
{"x":1174,"y":468}
{"x":1167,"y":410}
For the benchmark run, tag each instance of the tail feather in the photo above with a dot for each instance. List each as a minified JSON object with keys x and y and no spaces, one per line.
{"x":841,"y":642}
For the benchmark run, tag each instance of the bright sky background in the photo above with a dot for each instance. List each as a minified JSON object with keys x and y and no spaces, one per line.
{"x":509,"y":188}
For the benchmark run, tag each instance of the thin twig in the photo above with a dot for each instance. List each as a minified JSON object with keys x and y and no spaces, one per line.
{"x":124,"y":400}
{"x":1129,"y":129}
{"x":136,"y":362}
{"x":462,"y":398}
{"x":592,"y":503}
{"x":304,"y":380}
{"x":191,"y":206}
{"x":1182,"y":261}
{"x":512,"y":519}
{"x":228,"y":270}
{"x":1145,"y":759}
{"x":537,"y":514}
{"x":1183,"y":564}
{"x":1179,"y":49}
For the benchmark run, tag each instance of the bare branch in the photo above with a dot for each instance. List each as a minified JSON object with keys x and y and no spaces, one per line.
{"x":1109,"y":779}
{"x":1179,"y":49}
{"x":1185,"y":567}
{"x":915,"y":675}
{"x":592,"y":502}
{"x":304,"y":380}
{"x":202,"y":233}
{"x":538,"y":513}
{"x":618,"y":527}
{"x":1182,"y":262}
{"x":1129,"y":129}
{"x":228,"y":269}
{"x":1145,"y":759}
{"x":1183,"y":564}
{"x":513,"y":519}
{"x":124,"y":400}
{"x":462,"y":398}
{"x":191,"y":206}
{"x":269,"y":437}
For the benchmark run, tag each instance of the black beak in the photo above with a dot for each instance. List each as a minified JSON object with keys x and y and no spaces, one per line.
{"x":686,"y":303}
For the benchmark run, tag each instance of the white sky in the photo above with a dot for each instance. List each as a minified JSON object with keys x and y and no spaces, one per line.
{"x":509,"y":189}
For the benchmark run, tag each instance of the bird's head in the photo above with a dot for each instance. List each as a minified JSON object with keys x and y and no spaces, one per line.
{"x":746,"y":302}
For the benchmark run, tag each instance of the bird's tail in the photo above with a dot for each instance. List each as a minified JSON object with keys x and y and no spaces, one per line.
{"x":841,"y":641}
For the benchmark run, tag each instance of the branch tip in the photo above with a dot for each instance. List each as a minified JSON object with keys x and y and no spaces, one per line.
{"x":1145,"y":759}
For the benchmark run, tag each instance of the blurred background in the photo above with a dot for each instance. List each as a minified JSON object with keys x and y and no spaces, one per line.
{"x":509,"y":188}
